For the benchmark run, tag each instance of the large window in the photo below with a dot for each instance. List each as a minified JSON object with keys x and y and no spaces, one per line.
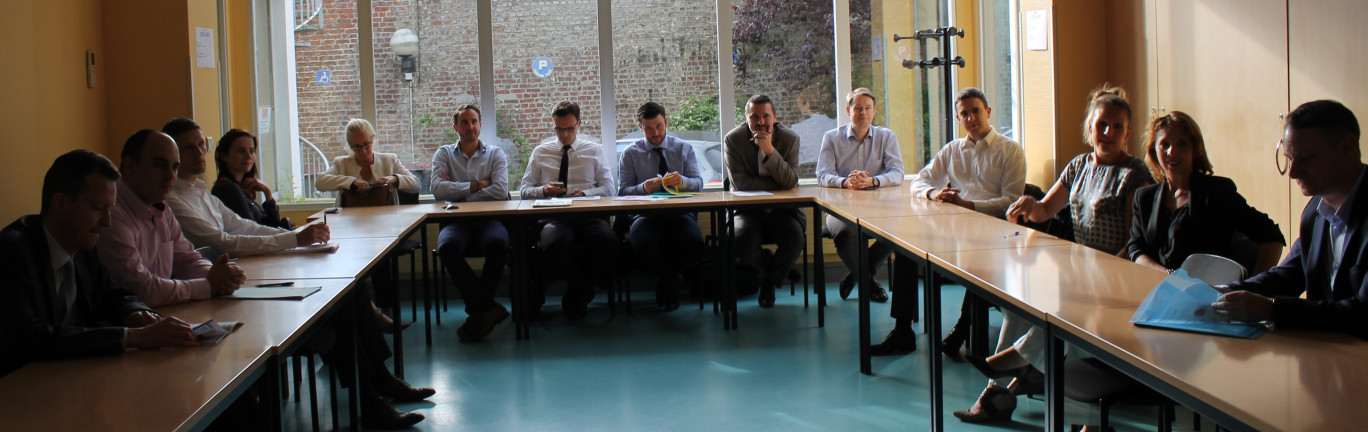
{"x":336,"y":64}
{"x":665,"y":51}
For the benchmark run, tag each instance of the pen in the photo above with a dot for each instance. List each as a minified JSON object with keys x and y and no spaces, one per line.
{"x":280,"y":284}
{"x":1015,"y":234}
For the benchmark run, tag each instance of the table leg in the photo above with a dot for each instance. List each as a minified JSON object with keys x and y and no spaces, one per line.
{"x":862,"y":286}
{"x":398,"y":319}
{"x":1054,"y":381}
{"x":933,"y":330}
{"x":819,"y":265}
{"x":428,"y":291}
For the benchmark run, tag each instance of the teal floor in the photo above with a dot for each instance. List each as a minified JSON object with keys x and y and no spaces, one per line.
{"x":679,"y":371}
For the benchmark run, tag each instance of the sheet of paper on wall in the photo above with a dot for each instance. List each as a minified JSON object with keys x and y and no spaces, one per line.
{"x":204,"y":48}
{"x":211,"y":331}
{"x":272,"y":293}
{"x":1181,"y":302}
{"x":1037,"y":31}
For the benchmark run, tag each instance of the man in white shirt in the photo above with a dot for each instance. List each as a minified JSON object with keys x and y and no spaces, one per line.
{"x":859,"y":156}
{"x":576,"y":248}
{"x":984,"y":172}
{"x":204,"y":219}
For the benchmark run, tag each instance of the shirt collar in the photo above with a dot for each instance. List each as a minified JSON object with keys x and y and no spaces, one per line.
{"x":141,"y":210}
{"x":479,"y":150}
{"x":57,"y":254}
{"x":1338,"y":216}
{"x":186,"y":185}
{"x":987,"y":139}
{"x":850,"y":133}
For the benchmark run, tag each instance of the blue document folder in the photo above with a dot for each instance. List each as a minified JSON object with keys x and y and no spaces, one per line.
{"x":1181,"y":302}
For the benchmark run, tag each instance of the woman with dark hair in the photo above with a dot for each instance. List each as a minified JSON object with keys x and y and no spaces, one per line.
{"x":238,"y":184}
{"x":1192,"y":211}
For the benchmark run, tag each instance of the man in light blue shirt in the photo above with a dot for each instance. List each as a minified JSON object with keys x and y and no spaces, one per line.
{"x":859,"y":156}
{"x":664,"y":244}
{"x":471,"y":170}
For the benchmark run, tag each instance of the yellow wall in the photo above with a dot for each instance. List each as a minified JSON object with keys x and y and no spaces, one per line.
{"x":47,"y":108}
{"x":148,"y":56}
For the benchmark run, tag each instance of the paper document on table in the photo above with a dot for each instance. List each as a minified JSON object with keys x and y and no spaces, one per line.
{"x":272,"y":293}
{"x":211,"y":331}
{"x":1181,"y":302}
{"x":751,"y":193}
{"x":637,"y":198}
{"x":672,"y":195}
{"x":552,"y":202}
{"x":328,"y":247}
{"x":583,"y":198}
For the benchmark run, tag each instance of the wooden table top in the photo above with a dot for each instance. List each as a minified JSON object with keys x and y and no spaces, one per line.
{"x":381,"y":221}
{"x":1285,"y":380}
{"x":877,"y":203}
{"x":929,"y":233}
{"x":1051,"y":279}
{"x":354,"y":257}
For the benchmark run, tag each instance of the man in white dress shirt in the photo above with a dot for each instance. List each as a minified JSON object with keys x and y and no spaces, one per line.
{"x":984,"y":172}
{"x":577,"y":249}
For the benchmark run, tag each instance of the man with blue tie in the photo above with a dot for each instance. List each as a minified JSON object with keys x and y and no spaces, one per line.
{"x":1321,"y":146}
{"x":59,"y":300}
{"x":664,"y":244}
{"x":575,"y":248}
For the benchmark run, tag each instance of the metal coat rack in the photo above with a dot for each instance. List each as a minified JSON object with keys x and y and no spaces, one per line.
{"x":947,"y":58}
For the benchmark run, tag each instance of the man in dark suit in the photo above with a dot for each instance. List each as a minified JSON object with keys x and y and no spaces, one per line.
{"x":1328,"y":262}
{"x":762,"y":155}
{"x":59,"y":301}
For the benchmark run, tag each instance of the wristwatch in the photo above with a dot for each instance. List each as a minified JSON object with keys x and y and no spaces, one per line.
{"x":876,"y":183}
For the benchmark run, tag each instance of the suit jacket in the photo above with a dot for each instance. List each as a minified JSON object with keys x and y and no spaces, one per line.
{"x":1215,"y":211}
{"x":29,"y":327}
{"x":743,"y":166}
{"x":1341,"y":307}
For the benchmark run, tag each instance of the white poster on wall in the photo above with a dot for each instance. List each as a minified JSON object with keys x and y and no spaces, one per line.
{"x":1036,"y":32}
{"x":204,"y":48}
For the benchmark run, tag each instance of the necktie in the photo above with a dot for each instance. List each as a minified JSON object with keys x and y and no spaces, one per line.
{"x":66,"y":293}
{"x":660,"y":153}
{"x":565,"y":167}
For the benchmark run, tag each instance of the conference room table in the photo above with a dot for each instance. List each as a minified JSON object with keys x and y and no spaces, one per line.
{"x":178,"y":389}
{"x":1282,"y":381}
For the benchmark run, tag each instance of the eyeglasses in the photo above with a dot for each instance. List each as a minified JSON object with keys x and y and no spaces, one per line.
{"x":566,"y":129}
{"x":1280,"y":159}
{"x":359,"y":147}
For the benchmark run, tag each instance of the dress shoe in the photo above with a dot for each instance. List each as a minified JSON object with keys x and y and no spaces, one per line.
{"x":877,"y":294}
{"x":479,"y":325}
{"x":952,"y":352}
{"x":847,"y":285}
{"x":897,"y":342}
{"x":766,"y":297}
{"x":386,"y":323}
{"x":950,"y":346}
{"x":576,"y":301}
{"x":994,"y":405}
{"x":392,"y":387}
{"x":383,"y":416}
{"x":988,"y":370}
{"x":667,"y":293}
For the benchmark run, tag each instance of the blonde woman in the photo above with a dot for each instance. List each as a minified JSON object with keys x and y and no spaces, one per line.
{"x":363,"y":168}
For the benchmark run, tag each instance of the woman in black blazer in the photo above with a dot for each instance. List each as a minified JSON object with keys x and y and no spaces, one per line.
{"x":1190,"y":210}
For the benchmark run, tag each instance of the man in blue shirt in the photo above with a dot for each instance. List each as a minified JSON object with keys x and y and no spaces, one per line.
{"x":859,"y":156}
{"x":664,"y":244}
{"x":471,"y":170}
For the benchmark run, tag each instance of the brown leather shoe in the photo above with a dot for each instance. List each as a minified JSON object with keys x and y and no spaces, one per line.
{"x":1031,"y":383}
{"x":478,"y":326}
{"x":994,"y":405}
{"x":392,"y":387}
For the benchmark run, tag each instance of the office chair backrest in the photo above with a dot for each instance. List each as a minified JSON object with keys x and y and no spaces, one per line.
{"x":1213,"y":269}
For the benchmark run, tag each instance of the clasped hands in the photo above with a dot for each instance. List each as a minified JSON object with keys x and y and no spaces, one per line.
{"x":859,"y":180}
{"x":555,"y":189}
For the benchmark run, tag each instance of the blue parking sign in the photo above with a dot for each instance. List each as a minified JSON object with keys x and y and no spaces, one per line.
{"x":542,"y":67}
{"x":324,"y":77}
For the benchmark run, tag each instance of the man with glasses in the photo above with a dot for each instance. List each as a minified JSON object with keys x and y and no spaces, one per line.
{"x":762,"y":155}
{"x":665,"y":244}
{"x":575,"y":248}
{"x":1321,"y":147}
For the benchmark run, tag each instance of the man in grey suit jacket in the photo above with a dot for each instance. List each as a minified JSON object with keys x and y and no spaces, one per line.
{"x":59,"y":300}
{"x":762,"y":155}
